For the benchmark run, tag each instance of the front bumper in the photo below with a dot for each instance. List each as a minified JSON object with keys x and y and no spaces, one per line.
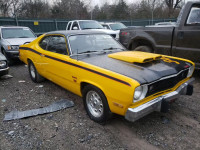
{"x":4,"y":71}
{"x":12,"y":54}
{"x":160,"y":103}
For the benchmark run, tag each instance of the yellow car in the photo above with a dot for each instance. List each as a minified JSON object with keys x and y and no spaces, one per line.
{"x":110,"y":79}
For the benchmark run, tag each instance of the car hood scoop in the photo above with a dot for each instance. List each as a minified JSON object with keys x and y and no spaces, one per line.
{"x":135,"y":56}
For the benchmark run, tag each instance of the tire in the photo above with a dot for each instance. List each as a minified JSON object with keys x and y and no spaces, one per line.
{"x":96,"y":104}
{"x":35,"y":76}
{"x":10,"y":61}
{"x":144,"y":49}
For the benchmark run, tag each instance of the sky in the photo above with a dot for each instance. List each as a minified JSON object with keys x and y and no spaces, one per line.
{"x":101,"y":2}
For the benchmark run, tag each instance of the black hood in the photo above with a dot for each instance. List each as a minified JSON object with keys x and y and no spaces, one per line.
{"x":141,"y":72}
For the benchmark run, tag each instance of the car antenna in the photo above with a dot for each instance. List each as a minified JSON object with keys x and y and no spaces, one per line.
{"x":77,"y":54}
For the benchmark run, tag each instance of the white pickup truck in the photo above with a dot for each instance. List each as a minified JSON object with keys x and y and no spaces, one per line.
{"x":90,"y":25}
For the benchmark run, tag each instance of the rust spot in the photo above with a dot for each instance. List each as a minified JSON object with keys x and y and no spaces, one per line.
{"x":118,"y":105}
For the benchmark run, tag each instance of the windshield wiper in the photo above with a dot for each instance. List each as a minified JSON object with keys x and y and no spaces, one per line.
{"x":87,"y":52}
{"x":23,"y":37}
{"x":112,"y":48}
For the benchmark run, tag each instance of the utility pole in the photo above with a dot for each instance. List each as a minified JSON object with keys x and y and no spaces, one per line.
{"x":91,"y":14}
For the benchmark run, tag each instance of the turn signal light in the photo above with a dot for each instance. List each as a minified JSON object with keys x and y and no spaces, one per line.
{"x":124,"y":33}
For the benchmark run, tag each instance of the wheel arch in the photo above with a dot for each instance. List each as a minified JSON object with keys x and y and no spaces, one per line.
{"x":83,"y":84}
{"x":139,"y":41}
{"x":28,"y":60}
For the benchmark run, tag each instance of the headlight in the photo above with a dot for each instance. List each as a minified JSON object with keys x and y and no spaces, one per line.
{"x":190,"y":72}
{"x":140,"y":93}
{"x":15,"y":47}
{"x":2,"y":64}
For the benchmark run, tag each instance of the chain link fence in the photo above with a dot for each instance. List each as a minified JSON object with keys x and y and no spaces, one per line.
{"x":45,"y":25}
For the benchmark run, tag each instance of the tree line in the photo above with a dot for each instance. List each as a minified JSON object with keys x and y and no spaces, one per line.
{"x":78,"y":9}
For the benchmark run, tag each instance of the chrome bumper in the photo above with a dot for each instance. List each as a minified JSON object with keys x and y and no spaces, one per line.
{"x":134,"y":114}
{"x":4,"y":71}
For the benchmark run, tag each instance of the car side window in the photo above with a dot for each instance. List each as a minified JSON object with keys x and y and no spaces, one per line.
{"x":43,"y":43}
{"x":70,"y":23}
{"x":194,"y":16}
{"x":75,"y":26}
{"x":57,"y":44}
{"x":106,"y":26}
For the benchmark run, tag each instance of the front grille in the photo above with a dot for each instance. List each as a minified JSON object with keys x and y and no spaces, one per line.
{"x":113,"y":35}
{"x":167,"y":83}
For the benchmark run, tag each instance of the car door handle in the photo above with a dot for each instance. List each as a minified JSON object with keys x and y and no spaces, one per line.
{"x":42,"y":55}
{"x":180,"y":35}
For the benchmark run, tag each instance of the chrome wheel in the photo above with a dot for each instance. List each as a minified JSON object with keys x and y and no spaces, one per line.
{"x":32,"y":71}
{"x":94,"y":103}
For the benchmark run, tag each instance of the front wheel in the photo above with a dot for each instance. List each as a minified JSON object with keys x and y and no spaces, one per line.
{"x":96,"y":104}
{"x":144,"y":49}
{"x":35,"y":76}
{"x":10,"y":61}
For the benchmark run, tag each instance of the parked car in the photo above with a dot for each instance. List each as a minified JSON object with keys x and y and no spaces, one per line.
{"x":11,"y":38}
{"x":115,"y":26}
{"x":89,"y":25}
{"x":3,"y":65}
{"x":180,"y":39}
{"x":110,"y":79}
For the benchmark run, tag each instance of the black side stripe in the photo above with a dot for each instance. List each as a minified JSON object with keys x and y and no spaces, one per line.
{"x":75,"y":65}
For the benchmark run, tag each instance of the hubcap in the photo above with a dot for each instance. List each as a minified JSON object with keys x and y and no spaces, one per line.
{"x":32,"y":70}
{"x":94,"y":103}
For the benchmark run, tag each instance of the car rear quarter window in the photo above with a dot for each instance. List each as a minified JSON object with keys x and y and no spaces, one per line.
{"x":194,"y":16}
{"x":57,"y":44}
{"x":43,"y":43}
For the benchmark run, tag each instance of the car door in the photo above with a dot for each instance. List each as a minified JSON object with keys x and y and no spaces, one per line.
{"x":56,"y":61}
{"x":187,"y":36}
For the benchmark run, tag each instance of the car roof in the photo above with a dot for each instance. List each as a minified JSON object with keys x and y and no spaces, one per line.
{"x":75,"y":32}
{"x":83,"y":20}
{"x":109,"y":22}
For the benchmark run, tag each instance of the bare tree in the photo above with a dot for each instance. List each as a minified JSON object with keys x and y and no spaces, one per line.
{"x":34,"y":9}
{"x":172,"y":5}
{"x":4,"y":7}
{"x":15,"y":7}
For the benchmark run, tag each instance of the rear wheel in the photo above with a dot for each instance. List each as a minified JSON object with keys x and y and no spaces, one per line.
{"x":144,"y":49}
{"x":35,"y":76}
{"x":96,"y":104}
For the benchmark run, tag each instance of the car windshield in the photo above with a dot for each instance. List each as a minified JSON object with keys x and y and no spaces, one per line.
{"x":93,"y":43}
{"x":8,"y":33}
{"x":90,"y":25}
{"x":117,"y":26}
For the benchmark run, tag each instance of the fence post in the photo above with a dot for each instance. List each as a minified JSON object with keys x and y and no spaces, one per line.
{"x":56,"y":25}
{"x":16,"y":20}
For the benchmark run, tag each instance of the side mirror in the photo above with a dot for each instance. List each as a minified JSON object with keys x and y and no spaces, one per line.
{"x":75,"y":28}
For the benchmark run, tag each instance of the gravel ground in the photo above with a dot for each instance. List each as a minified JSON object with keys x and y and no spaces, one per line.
{"x":72,"y":129}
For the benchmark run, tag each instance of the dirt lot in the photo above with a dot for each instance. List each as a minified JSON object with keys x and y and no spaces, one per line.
{"x":72,"y":129}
